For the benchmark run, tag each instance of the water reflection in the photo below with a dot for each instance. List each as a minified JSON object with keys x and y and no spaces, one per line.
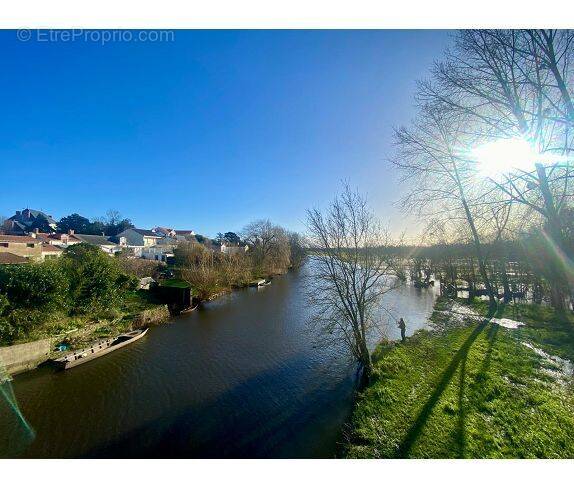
{"x":239,"y":377}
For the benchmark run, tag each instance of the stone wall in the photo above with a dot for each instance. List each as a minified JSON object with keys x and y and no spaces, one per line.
{"x":22,"y":357}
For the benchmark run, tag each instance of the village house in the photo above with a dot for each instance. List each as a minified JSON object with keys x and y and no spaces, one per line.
{"x":28,"y":220}
{"x":136,"y":239}
{"x":156,"y":244}
{"x":164,"y":232}
{"x":51,"y":252}
{"x":233,"y":248}
{"x":161,"y":251}
{"x":57,"y":239}
{"x":23,"y":246}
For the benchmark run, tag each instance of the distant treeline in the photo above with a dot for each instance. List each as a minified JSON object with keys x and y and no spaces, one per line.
{"x":110,"y":225}
{"x":270,"y":250}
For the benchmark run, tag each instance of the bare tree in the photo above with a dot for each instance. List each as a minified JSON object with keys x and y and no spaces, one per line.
{"x":268,"y":246}
{"x":350,"y":273}
{"x":298,"y":249}
{"x":432,"y":156}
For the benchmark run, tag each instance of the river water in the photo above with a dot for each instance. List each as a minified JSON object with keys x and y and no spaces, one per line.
{"x":239,"y":377}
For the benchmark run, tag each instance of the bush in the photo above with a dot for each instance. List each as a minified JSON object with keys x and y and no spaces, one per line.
{"x":95,"y":279}
{"x":41,"y":285}
{"x":37,"y":299}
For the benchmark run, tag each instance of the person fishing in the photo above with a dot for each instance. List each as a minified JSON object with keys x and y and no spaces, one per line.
{"x":403,"y":328}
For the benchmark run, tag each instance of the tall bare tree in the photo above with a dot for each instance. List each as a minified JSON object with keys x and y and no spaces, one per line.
{"x":268,"y":246}
{"x":350,"y":273}
{"x":431,"y":155}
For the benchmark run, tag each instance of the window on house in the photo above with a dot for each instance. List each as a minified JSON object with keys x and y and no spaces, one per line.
{"x":31,"y":244}
{"x":3,"y":244}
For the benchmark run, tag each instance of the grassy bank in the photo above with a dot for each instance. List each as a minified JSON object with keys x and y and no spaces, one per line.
{"x":81,"y":329}
{"x":471,"y":389}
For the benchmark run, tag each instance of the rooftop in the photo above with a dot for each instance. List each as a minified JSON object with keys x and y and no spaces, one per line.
{"x":9,"y":258}
{"x":51,"y":248}
{"x":18,"y":239}
{"x":95,"y":240}
{"x":145,"y":232}
{"x":33,"y":214}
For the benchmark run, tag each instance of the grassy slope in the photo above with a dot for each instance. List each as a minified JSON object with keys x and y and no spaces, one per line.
{"x":82,"y":329}
{"x":473,"y":391}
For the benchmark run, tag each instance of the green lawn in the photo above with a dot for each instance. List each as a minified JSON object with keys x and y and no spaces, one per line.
{"x":473,"y":391}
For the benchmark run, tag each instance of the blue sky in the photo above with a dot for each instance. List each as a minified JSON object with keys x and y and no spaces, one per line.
{"x":209,"y":131}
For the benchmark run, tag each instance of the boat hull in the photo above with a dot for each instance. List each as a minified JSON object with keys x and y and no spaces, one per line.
{"x":67,"y":364}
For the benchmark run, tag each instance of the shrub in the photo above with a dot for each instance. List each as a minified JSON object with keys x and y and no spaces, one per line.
{"x":41,"y":285}
{"x":96,"y":281}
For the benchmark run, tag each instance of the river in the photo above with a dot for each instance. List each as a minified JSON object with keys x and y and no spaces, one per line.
{"x":239,"y":377}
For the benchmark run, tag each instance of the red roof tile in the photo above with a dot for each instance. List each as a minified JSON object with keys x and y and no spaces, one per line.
{"x":18,"y":239}
{"x":50,"y":248}
{"x":9,"y":258}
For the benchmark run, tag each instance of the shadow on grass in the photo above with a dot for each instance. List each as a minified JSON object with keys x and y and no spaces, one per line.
{"x":458,"y":360}
{"x":461,"y":432}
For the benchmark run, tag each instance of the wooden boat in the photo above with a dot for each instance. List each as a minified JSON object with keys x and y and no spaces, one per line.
{"x":257,"y":283}
{"x":98,"y":349}
{"x":190,"y":309}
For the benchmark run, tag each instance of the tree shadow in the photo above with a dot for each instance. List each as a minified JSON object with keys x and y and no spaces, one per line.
{"x":492,"y":335}
{"x":446,"y":377}
{"x":461,"y":432}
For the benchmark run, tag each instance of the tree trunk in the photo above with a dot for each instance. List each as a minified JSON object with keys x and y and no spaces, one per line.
{"x":557,"y":279}
{"x":505,"y":284}
{"x":367,"y":368}
{"x":479,"y":256}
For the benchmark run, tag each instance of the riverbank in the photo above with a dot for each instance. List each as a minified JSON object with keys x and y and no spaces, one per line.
{"x":79,"y":331}
{"x":471,"y":388}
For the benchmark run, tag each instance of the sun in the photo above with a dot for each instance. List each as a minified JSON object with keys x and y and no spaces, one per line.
{"x":504,"y":155}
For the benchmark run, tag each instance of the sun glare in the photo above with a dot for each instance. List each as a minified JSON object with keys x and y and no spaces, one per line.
{"x":502,"y":156}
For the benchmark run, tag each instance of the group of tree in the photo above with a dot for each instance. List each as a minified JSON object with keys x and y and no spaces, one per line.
{"x":270,"y":250}
{"x":110,"y":225}
{"x":492,"y":86}
{"x":84,"y":280}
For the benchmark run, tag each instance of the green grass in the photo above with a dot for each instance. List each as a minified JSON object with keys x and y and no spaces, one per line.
{"x":473,"y":391}
{"x":87,"y":327}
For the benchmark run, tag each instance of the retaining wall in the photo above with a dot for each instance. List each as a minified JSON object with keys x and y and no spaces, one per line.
{"x":22,"y":357}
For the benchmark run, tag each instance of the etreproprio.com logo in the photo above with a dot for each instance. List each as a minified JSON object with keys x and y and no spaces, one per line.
{"x":98,"y":36}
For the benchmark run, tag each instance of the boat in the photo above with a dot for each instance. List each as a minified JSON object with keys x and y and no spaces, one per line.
{"x":257,"y":283}
{"x":190,"y":309}
{"x":98,"y":349}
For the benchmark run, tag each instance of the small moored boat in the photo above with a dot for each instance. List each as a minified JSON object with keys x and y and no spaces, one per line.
{"x":98,"y":349}
{"x":261,"y":282}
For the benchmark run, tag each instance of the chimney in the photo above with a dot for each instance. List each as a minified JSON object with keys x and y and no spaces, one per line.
{"x":71,"y":232}
{"x":103,"y":234}
{"x":36,"y":230}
